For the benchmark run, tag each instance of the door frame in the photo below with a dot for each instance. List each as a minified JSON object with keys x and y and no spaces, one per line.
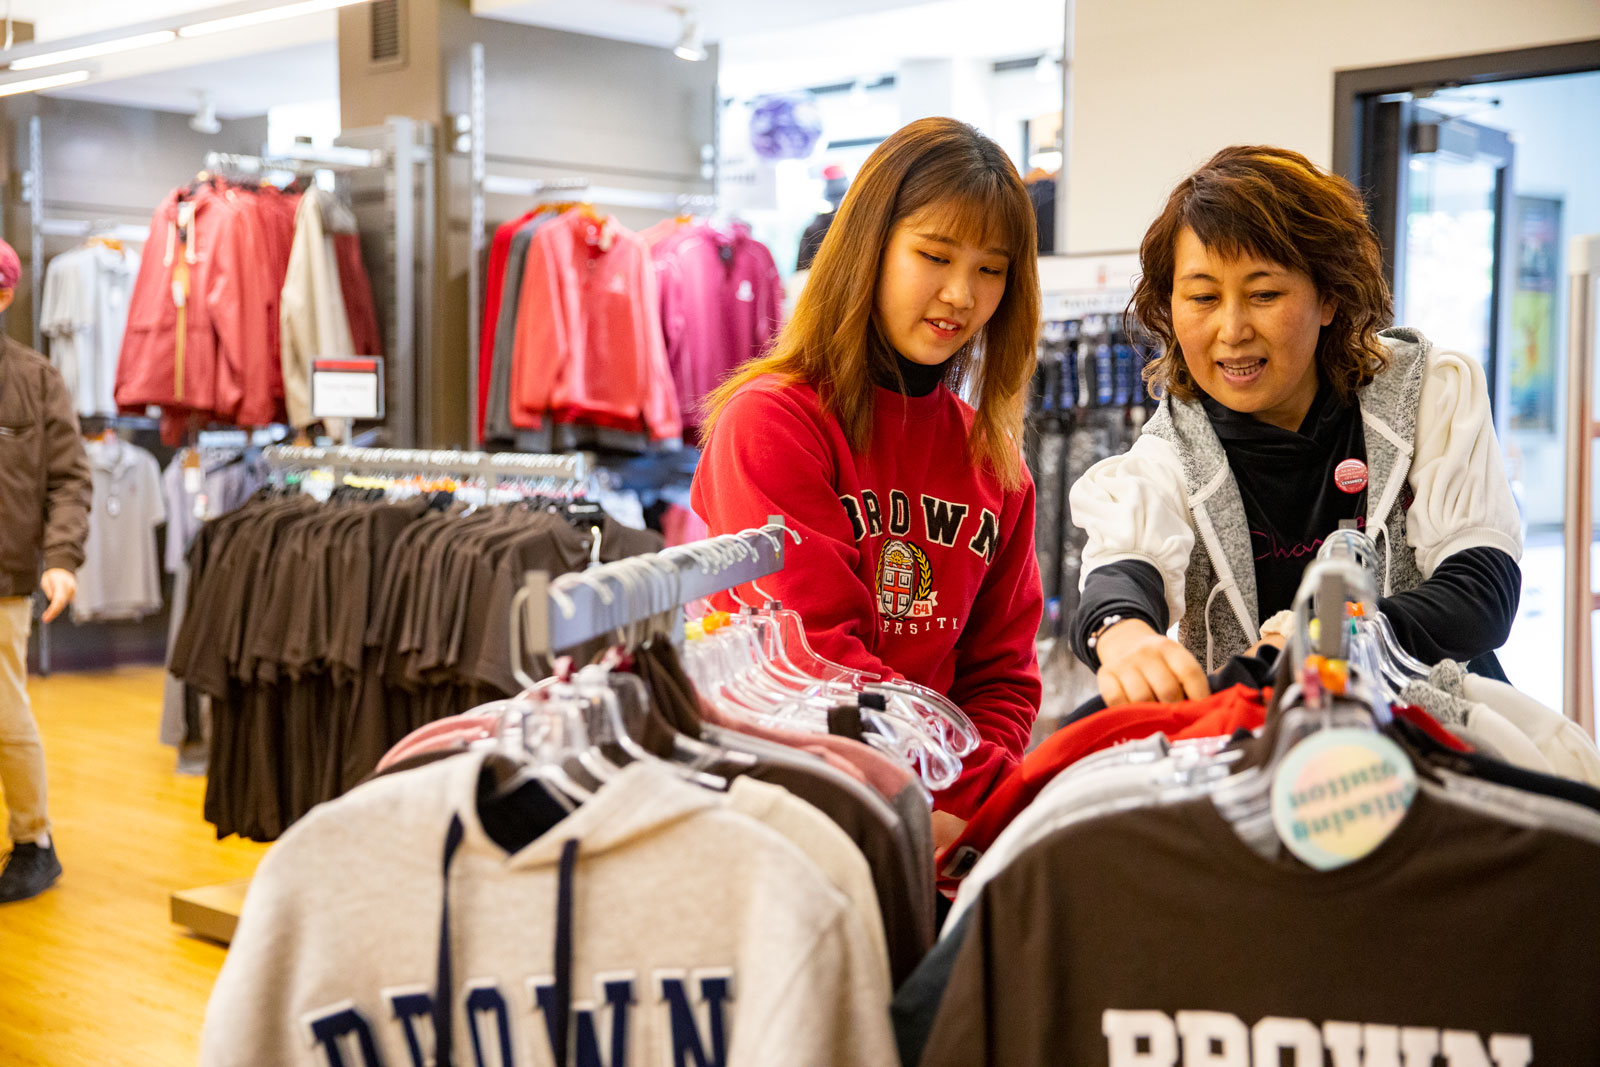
{"x":1365,"y":142}
{"x":1356,"y":91}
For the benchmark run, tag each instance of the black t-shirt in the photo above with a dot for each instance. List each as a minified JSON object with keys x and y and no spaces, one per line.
{"x":1286,"y":481}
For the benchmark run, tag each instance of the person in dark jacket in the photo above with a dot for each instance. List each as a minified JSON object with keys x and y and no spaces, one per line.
{"x":45,"y":491}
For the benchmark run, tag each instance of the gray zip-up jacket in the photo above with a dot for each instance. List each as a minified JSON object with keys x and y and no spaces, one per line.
{"x":1172,"y":501}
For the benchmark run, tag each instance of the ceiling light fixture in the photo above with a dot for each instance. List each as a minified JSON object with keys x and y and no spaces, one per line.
{"x":691,"y":45}
{"x":1046,"y":70}
{"x":205,"y":116}
{"x":49,"y":81}
{"x":90,"y":51}
{"x":256,"y":18}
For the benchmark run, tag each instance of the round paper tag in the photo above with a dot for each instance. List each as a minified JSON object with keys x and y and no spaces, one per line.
{"x":1350,"y":475}
{"x":1339,"y":794}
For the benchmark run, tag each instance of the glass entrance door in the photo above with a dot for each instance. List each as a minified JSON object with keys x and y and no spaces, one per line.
{"x":1452,"y":259}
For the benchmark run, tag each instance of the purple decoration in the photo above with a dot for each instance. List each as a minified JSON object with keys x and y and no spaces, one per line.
{"x":785,"y":126}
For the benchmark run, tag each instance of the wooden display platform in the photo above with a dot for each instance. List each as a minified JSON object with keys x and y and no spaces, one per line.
{"x":211,"y":910}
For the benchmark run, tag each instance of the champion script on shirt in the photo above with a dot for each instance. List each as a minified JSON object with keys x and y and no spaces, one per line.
{"x":905,"y":580}
{"x":1156,"y":1039}
{"x":693,"y":1008}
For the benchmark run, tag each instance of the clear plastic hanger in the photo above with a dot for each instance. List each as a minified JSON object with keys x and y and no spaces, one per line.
{"x":743,"y":673}
{"x":1305,"y":704}
{"x":543,"y":738}
{"x":642,"y":588}
{"x":1396,"y":665}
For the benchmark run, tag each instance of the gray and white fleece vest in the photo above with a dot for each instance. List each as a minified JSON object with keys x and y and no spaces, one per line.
{"x":1222,"y":567}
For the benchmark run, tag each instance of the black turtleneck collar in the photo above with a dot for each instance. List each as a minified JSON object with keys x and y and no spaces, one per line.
{"x":918,"y":379}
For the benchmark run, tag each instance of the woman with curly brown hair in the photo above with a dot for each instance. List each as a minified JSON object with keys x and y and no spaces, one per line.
{"x":1288,"y":409}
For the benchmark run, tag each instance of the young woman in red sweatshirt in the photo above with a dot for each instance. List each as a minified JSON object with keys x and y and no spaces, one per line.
{"x":914,"y":509}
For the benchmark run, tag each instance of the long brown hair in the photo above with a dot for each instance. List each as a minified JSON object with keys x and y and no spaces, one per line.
{"x":1279,"y":206}
{"x":833,"y":343}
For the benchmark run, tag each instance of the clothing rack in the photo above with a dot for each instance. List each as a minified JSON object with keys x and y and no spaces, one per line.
{"x":551,"y":616}
{"x":40,"y":226}
{"x":606,"y":195}
{"x":307,"y":161}
{"x":484,"y":184}
{"x":127,"y":233}
{"x":568,"y":467}
{"x":213,"y":910}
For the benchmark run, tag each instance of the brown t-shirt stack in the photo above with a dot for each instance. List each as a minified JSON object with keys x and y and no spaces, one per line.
{"x":1156,"y":937}
{"x":326,"y":632}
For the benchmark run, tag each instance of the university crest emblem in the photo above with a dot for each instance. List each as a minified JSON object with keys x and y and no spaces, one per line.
{"x":904,"y":581}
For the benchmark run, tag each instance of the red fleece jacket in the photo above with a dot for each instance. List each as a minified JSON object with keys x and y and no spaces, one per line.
{"x":913,"y":561}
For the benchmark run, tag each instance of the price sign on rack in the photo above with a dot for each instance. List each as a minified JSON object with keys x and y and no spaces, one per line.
{"x":348,"y":388}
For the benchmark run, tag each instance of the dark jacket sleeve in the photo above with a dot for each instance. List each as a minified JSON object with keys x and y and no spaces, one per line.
{"x":1463,"y":611}
{"x":1131,"y":588}
{"x":68,"y":488}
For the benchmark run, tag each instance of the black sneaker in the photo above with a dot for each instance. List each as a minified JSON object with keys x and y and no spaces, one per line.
{"x":31,"y":871}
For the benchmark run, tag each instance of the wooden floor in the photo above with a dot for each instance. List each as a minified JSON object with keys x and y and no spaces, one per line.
{"x":93,"y":971}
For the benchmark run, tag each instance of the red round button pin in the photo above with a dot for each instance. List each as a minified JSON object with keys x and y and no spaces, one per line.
{"x":1350,"y":475}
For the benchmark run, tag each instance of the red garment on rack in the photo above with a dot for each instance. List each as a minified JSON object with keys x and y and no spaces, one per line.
{"x":493,"y":294}
{"x":276,"y":209}
{"x":1219,"y":714}
{"x":356,"y":288}
{"x":589,"y":347}
{"x":196,"y":340}
{"x":204,"y":334}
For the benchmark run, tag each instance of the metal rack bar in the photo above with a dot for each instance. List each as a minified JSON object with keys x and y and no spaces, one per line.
{"x":476,"y":237}
{"x":572,"y":467}
{"x":310,"y":159}
{"x":125,"y":232}
{"x":1583,"y":266}
{"x":573,"y":608}
{"x":610,"y":196}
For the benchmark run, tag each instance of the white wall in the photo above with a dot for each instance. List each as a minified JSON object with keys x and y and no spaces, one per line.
{"x":1158,"y":85}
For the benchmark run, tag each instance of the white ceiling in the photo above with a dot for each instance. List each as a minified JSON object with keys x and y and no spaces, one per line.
{"x":53,"y":19}
{"x":844,"y":49}
{"x":245,"y":85}
{"x":766,"y":44}
{"x":657,"y":22}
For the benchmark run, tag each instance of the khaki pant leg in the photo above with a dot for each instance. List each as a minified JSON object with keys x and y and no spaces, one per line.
{"x":21,"y":754}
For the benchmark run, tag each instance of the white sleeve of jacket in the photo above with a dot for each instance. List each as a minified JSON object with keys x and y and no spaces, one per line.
{"x":1463,"y":499}
{"x":1135,"y":506}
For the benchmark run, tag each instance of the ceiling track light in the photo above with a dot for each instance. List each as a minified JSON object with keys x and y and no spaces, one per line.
{"x":152,"y":38}
{"x":265,"y":15}
{"x":49,"y":81}
{"x":92,"y":51}
{"x":691,"y":45}
{"x":205,"y":116}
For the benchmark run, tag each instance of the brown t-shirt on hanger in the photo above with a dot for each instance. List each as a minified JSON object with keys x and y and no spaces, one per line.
{"x":1157,"y":936}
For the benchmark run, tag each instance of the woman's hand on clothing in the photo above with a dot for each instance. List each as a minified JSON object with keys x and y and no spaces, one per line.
{"x":946,"y":828}
{"x":1137,"y":664}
